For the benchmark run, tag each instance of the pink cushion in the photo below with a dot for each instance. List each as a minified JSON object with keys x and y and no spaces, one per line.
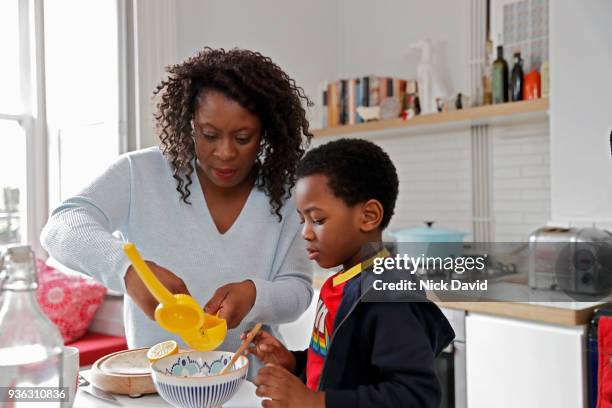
{"x":92,"y":346}
{"x":69,"y":300}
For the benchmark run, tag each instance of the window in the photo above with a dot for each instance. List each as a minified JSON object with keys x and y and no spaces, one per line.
{"x":13,"y":154}
{"x":10,"y":97}
{"x":12,"y":181}
{"x":60,"y":105}
{"x":83,"y":91}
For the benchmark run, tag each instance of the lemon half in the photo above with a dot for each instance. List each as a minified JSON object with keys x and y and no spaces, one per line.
{"x":163,"y":349}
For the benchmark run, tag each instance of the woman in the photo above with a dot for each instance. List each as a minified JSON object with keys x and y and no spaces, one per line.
{"x":209,"y":208}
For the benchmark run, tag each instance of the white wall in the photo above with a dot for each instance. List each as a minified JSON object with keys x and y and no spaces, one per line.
{"x":581,"y":110}
{"x":299,"y":36}
{"x":322,"y":40}
{"x":325,"y":40}
{"x":154,"y":35}
{"x":374,"y":38}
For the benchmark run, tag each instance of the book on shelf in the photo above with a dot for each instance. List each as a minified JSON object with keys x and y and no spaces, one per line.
{"x":343,"y":102}
{"x":351,"y":102}
{"x":341,"y":98}
{"x":324,"y":112}
{"x":358,"y":99}
{"x":365,"y":91}
{"x":332,"y":104}
{"x":383,"y":84}
{"x":374,"y":91}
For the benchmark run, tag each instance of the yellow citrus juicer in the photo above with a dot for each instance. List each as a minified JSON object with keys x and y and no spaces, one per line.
{"x":180,"y":313}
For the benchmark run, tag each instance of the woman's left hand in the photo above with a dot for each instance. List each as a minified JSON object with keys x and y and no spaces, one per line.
{"x":233,"y":301}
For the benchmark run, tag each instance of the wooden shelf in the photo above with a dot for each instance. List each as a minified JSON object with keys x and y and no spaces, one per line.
{"x":479,"y":114}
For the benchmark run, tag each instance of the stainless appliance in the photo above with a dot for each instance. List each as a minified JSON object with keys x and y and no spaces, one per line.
{"x":450,"y":364}
{"x":575,"y":260}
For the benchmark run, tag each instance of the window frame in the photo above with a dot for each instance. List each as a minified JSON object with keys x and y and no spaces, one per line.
{"x":33,"y":117}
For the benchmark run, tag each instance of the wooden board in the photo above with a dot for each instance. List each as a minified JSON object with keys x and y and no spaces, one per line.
{"x":124,"y":372}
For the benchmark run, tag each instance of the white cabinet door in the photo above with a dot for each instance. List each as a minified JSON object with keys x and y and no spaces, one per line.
{"x":513,"y":363}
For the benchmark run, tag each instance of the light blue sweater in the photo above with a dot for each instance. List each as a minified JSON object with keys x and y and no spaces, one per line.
{"x":137,"y":196}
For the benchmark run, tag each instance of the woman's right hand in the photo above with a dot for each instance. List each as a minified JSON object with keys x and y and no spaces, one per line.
{"x":139,"y":293}
{"x":269,"y":349}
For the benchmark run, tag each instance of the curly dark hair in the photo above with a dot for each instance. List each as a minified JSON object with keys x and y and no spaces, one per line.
{"x":258,"y":85}
{"x":357,"y":171}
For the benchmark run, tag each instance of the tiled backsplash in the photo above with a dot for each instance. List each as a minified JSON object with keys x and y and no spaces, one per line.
{"x":435,"y":172}
{"x":521,"y":180}
{"x":435,"y":179}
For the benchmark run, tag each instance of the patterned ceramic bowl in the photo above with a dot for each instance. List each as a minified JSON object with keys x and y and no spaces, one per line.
{"x":191,"y":379}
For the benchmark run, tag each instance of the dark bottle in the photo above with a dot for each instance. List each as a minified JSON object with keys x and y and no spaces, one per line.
{"x":516,"y":81}
{"x":500,"y":77}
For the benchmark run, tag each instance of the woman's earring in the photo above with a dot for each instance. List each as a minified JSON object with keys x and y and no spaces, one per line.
{"x":261,"y":155}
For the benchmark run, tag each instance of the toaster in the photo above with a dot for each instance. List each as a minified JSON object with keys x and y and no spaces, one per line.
{"x":574,"y":260}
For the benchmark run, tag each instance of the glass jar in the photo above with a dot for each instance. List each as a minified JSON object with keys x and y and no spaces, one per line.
{"x":30,"y":344}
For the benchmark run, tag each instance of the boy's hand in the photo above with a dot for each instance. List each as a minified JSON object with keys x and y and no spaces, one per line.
{"x":270,"y":350}
{"x":285,"y":389}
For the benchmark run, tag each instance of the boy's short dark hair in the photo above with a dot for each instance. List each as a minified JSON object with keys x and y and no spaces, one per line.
{"x":357,"y":170}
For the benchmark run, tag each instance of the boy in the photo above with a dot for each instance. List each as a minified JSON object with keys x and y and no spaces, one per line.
{"x":362,"y":354}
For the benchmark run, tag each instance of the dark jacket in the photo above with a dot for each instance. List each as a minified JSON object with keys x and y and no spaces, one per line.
{"x":381,"y":354}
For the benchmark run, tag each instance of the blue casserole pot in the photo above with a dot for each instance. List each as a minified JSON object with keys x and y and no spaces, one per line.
{"x":429,"y":241}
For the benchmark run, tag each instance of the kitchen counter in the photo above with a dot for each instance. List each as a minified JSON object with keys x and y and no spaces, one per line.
{"x":519,"y":301}
{"x":556,"y":313}
{"x":514,"y":298}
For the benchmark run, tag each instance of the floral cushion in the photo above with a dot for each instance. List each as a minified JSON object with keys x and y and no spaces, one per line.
{"x":69,"y":300}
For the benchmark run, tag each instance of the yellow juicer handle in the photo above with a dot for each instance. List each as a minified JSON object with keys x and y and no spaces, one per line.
{"x":157,"y":289}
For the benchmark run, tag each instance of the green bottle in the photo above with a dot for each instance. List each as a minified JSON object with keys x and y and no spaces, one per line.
{"x":516,"y":82}
{"x":500,"y":77}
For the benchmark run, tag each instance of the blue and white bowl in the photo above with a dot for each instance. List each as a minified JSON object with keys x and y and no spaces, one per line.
{"x":191,"y":379}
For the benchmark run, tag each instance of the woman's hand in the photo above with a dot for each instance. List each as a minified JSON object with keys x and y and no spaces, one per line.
{"x":270,"y":350}
{"x":233,"y":301}
{"x":285,"y":389}
{"x":139,"y":293}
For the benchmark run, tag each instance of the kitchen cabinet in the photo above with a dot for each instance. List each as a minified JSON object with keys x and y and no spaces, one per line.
{"x":450,"y":364}
{"x":515,"y":363}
